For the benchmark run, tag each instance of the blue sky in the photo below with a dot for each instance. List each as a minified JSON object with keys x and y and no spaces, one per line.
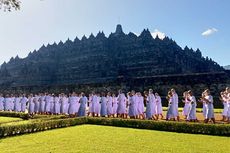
{"x":45,"y":21}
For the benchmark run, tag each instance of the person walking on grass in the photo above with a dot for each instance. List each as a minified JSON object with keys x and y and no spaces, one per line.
{"x":103,"y":105}
{"x":159,"y":110}
{"x":109,"y":105}
{"x":175,"y":104}
{"x":31,"y":104}
{"x":115,"y":105}
{"x":83,"y":103}
{"x":186,"y":104}
{"x":141,"y":107}
{"x":170,"y":115}
{"x":131,"y":104}
{"x":152,"y":103}
{"x":121,"y":110}
{"x":224,"y":100}
{"x":210,"y":109}
{"x":1,"y":103}
{"x":192,"y":107}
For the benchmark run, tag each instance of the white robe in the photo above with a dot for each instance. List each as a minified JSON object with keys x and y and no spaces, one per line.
{"x":175,"y":103}
{"x":158,"y":105}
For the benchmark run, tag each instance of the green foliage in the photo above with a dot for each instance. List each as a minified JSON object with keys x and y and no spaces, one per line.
{"x":8,"y":119}
{"x":14,"y":114}
{"x":105,"y":139}
{"x":41,"y":124}
{"x":8,"y":5}
{"x":38,"y":125}
{"x":180,"y":127}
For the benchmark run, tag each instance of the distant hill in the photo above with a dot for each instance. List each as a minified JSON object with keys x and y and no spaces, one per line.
{"x":101,"y":59}
{"x":227,"y":67}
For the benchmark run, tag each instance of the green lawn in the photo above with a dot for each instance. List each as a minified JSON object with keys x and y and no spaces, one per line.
{"x":92,"y":138}
{"x":8,"y":119}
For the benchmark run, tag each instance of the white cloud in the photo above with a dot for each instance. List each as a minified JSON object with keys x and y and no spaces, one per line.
{"x":160,"y":34}
{"x":209,"y":32}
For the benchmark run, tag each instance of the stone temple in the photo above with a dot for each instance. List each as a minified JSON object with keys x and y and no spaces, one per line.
{"x":101,"y":59}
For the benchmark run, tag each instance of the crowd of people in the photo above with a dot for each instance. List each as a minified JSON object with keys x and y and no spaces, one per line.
{"x":134,"y":105}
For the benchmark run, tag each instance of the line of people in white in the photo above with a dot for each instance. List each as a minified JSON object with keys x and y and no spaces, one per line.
{"x":133,"y":105}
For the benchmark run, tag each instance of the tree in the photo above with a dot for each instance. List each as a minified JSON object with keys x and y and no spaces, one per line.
{"x":8,"y":5}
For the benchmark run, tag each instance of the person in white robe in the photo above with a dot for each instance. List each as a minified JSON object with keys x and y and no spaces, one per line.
{"x":115,"y":105}
{"x":159,"y":110}
{"x":94,"y":104}
{"x":152,"y":101}
{"x":224,"y":100}
{"x":109,"y":104}
{"x":192,"y":108}
{"x":140,"y":107}
{"x":121,"y":110}
{"x":175,"y":104}
{"x":186,"y":104}
{"x":24,"y":101}
{"x":1,"y":102}
{"x":90,"y":110}
{"x":210,"y":109}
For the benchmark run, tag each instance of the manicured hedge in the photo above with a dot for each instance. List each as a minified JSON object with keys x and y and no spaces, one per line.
{"x":14,"y":114}
{"x":39,"y":125}
{"x":26,"y":116}
{"x":180,"y":127}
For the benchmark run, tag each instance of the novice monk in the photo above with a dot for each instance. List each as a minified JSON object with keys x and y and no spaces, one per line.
{"x":121,"y":110}
{"x":83,"y":103}
{"x":224,"y":99}
{"x":73,"y":105}
{"x":175,"y":103}
{"x":158,"y":106}
{"x":24,"y":101}
{"x":64,"y":104}
{"x":94,"y":103}
{"x":47,"y":103}
{"x":152,"y":102}
{"x":192,"y":109}
{"x":1,"y":102}
{"x":98,"y":105}
{"x":228,"y":114}
{"x":186,"y":104}
{"x":36,"y":104}
{"x":210,"y":109}
{"x":12,"y":99}
{"x":31,"y":104}
{"x":170,"y":112}
{"x":141,"y":106}
{"x":17,"y":104}
{"x":90,"y":111}
{"x":57,"y":105}
{"x":78,"y":103}
{"x":228,"y":102}
{"x":103,"y":102}
{"x":131,"y":104}
{"x":42,"y":103}
{"x":115,"y":105}
{"x":148,"y":113}
{"x":109,"y":105}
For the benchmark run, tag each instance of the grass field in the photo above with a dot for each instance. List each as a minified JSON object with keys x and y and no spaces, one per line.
{"x":92,"y":138}
{"x":8,"y":119}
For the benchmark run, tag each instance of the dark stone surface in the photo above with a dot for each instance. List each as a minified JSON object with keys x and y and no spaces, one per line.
{"x":99,"y":59}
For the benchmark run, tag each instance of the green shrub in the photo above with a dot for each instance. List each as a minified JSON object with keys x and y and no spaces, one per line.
{"x":42,"y":124}
{"x":180,"y":127}
{"x":39,"y":125}
{"x":14,"y":114}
